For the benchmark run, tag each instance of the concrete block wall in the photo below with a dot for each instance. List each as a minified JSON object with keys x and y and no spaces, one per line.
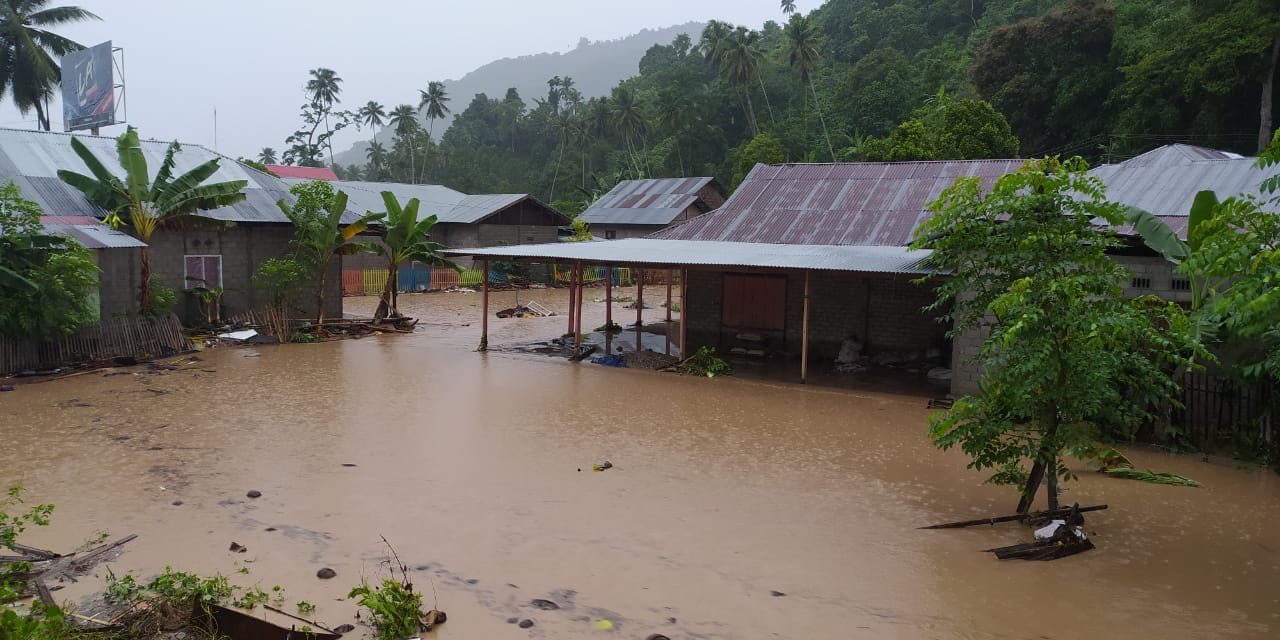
{"x":621,"y":231}
{"x":243,"y":249}
{"x":118,"y":278}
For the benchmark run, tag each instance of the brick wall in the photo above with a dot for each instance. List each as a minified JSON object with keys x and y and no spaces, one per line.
{"x":883,"y":312}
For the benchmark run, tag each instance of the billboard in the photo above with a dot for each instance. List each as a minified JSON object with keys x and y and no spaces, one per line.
{"x":88,"y":88}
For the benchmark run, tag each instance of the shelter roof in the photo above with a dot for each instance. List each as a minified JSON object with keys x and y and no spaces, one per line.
{"x":655,"y":201}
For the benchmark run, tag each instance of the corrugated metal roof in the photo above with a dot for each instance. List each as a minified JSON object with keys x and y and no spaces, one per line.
{"x":446,"y":204}
{"x":1179,"y":154}
{"x":1167,"y":189}
{"x":89,"y":232}
{"x":31,"y":159}
{"x":306,"y":173}
{"x":647,"y":202}
{"x":678,"y":253}
{"x":846,"y":204}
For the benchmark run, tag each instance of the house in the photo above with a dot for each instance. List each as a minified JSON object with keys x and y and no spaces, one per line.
{"x":636,"y":208}
{"x":301,"y":173}
{"x":221,"y":247}
{"x":116,"y":253}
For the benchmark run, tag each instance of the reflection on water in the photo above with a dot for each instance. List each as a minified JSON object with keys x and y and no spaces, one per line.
{"x":477,"y":468}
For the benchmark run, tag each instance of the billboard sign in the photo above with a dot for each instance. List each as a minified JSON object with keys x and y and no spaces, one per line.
{"x":88,"y":88}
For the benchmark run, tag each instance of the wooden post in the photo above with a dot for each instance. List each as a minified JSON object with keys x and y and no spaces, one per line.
{"x":804,"y":333}
{"x":639,"y":307}
{"x":572,"y":298}
{"x":608,"y":309}
{"x":684,"y":311}
{"x":577,"y":323}
{"x":670,"y":272}
{"x":484,"y":307}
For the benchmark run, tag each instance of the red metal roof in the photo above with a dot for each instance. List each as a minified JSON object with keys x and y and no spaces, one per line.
{"x":305,"y":173}
{"x":856,"y":203}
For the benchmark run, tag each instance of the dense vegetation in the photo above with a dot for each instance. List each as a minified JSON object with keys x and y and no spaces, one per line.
{"x":873,"y":80}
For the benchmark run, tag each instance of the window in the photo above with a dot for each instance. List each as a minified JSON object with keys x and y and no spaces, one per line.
{"x":610,"y":235}
{"x":1141,"y":283}
{"x":753,"y":301}
{"x":1180,"y":284}
{"x":202,"y":271}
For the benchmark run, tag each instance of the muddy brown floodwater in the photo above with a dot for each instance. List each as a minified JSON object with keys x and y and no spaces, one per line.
{"x":735,"y":508}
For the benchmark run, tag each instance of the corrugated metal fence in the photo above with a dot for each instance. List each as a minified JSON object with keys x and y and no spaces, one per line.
{"x":114,"y":338}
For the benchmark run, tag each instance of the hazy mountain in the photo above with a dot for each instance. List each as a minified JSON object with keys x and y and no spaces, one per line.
{"x":594,"y":66}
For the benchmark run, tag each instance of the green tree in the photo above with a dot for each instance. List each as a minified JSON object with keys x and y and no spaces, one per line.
{"x":434,"y":101}
{"x":267,"y":156}
{"x":319,"y":234}
{"x":405,"y":121}
{"x":630,"y":123}
{"x":45,"y":280}
{"x":372,"y":114}
{"x":803,"y":56}
{"x":788,"y":6}
{"x":946,"y":129}
{"x":763,"y":149}
{"x":147,"y":204}
{"x":28,"y":69}
{"x":376,"y":154}
{"x":405,"y":238}
{"x":324,"y":87}
{"x":1066,"y":354}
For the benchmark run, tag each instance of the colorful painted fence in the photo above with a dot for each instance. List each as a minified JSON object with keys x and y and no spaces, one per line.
{"x":369,"y":282}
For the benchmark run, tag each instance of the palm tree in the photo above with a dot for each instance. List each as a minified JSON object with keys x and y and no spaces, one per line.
{"x":434,"y":101}
{"x":564,"y":127}
{"x":267,"y":155}
{"x":372,"y":114}
{"x":145,"y":204}
{"x":788,"y":6}
{"x":321,"y":234}
{"x":405,"y":121}
{"x":27,"y":51}
{"x":405,"y":239}
{"x":802,"y":52}
{"x":324,"y":88}
{"x":376,"y":154}
{"x":674,"y":113}
{"x":739,"y":60}
{"x":629,"y":121}
{"x":714,"y":37}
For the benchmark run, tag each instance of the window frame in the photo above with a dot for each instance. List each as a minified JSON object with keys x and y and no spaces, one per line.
{"x":187,"y":279}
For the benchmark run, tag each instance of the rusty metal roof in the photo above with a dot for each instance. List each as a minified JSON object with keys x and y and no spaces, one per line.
{"x":655,"y":201}
{"x":89,"y":232}
{"x":850,"y":204}
{"x":31,"y":159}
{"x":705,"y":253}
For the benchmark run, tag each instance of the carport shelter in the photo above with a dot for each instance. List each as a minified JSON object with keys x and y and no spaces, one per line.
{"x":801,"y":300}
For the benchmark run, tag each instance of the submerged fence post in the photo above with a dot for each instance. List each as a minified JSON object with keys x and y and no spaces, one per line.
{"x":804,"y":333}
{"x":639,"y":308}
{"x":484,"y":308}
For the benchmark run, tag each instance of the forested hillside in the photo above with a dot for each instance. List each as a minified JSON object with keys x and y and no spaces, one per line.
{"x":868,"y":80}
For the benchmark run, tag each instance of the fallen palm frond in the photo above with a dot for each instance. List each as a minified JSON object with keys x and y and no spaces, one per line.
{"x":1130,"y":473}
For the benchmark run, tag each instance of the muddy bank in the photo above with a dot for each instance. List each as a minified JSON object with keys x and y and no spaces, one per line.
{"x":723,"y":492}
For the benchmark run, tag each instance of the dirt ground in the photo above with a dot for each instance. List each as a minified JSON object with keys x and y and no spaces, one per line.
{"x":734,"y":508}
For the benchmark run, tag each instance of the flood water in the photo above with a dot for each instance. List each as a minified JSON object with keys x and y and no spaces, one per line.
{"x":477,"y":468}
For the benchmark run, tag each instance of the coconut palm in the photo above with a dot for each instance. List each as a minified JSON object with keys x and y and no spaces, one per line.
{"x":324,"y":88}
{"x":376,"y":154}
{"x":629,"y":122}
{"x":674,"y":114}
{"x":739,"y":60}
{"x":145,"y":204}
{"x":714,"y":37}
{"x":802,"y":53}
{"x":405,"y":121}
{"x":434,"y":102}
{"x":405,"y":239}
{"x":267,"y":155}
{"x":372,"y":114}
{"x":27,"y":51}
{"x":564,"y":128}
{"x":788,"y":6}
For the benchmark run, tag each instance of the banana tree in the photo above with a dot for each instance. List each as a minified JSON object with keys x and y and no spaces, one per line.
{"x":1157,"y":235}
{"x":319,"y":233}
{"x":146,"y":204}
{"x":405,"y":239}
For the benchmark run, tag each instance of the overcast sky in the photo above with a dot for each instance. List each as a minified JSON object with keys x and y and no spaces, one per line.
{"x":249,"y":58}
